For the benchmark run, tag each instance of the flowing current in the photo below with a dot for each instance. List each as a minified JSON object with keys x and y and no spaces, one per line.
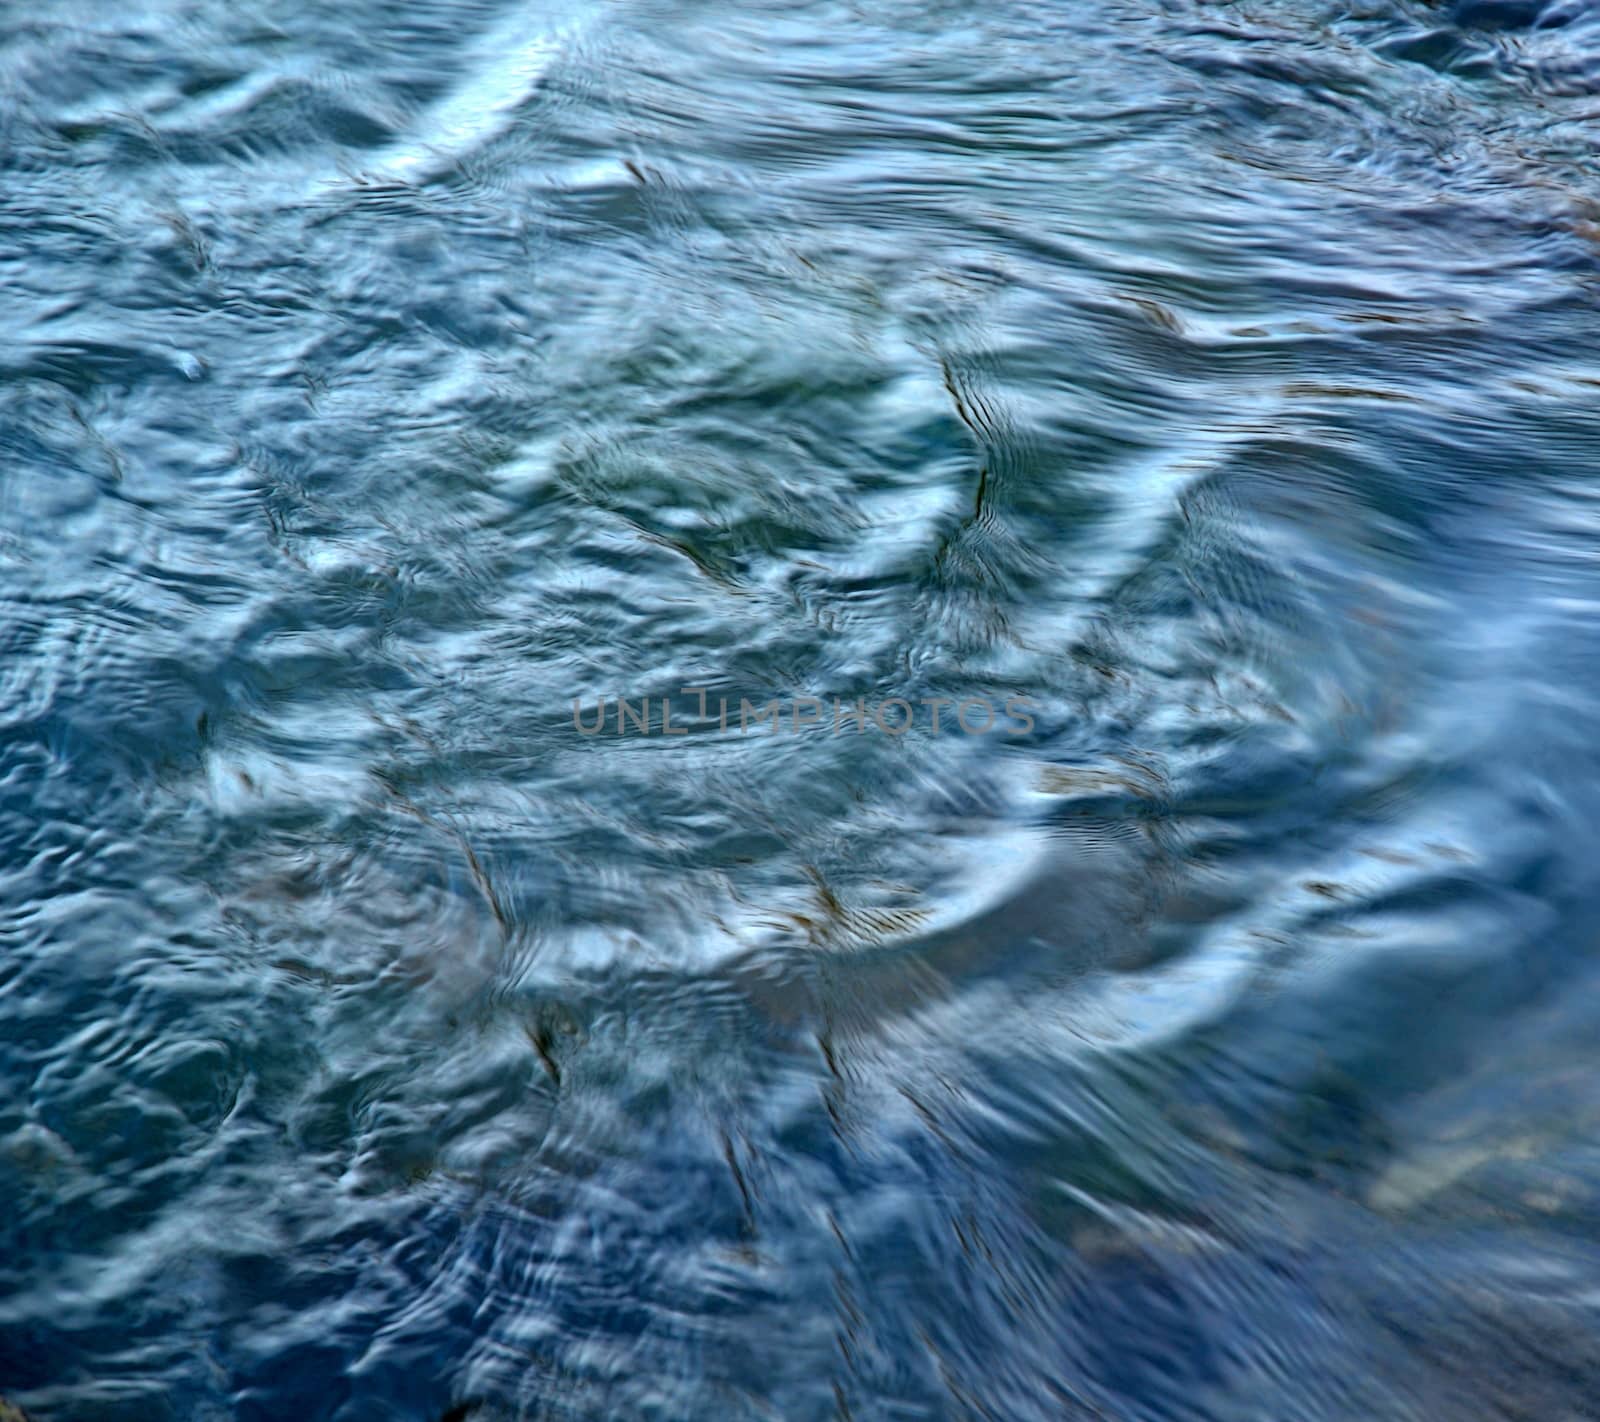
{"x":391,"y":389}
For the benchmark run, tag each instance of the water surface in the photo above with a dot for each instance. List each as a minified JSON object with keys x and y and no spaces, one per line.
{"x":382,"y":378}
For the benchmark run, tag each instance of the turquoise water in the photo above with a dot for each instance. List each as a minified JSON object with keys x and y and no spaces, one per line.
{"x":388,"y":384}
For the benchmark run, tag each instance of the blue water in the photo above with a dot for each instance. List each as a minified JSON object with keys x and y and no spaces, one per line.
{"x":384,"y":382}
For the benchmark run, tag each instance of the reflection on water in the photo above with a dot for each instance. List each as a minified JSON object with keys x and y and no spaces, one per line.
{"x":383,"y":379}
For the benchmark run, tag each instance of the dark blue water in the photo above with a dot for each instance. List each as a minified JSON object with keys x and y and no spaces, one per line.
{"x":1215,"y":1040}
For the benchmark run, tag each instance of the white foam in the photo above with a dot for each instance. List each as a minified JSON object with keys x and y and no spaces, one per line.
{"x":507,"y":67}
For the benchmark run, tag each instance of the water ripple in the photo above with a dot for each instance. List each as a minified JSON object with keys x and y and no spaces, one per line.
{"x":384,"y":380}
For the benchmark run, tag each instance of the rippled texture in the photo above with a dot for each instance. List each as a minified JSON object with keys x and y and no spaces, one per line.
{"x":381,"y":378}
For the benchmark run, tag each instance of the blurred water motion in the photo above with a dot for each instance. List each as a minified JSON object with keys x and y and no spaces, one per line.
{"x":383,"y":378}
